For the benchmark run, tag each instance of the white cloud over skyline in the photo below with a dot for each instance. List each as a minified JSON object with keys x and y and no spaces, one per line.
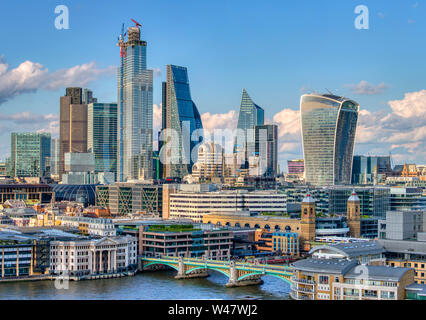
{"x":32,"y":76}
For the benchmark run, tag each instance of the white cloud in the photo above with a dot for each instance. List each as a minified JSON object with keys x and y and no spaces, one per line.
{"x":365,"y":88}
{"x":157,"y":120}
{"x":413,"y":105}
{"x":29,"y":122}
{"x":213,"y":121}
{"x":31,"y":76}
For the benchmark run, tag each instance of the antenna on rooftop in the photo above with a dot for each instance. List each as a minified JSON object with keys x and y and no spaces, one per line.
{"x":329,"y":92}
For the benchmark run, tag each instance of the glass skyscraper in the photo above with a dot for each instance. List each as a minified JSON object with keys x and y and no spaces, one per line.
{"x":135,"y":110}
{"x":328,"y":134}
{"x":102,"y":135}
{"x":250,"y":115}
{"x":370,"y":169}
{"x":29,"y":152}
{"x":266,"y":145}
{"x":54,"y":157}
{"x":183,"y":117}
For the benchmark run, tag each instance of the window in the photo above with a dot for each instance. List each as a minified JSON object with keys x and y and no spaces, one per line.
{"x":323,"y":279}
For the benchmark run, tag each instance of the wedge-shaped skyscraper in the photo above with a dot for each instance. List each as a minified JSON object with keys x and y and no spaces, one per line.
{"x":328,"y":133}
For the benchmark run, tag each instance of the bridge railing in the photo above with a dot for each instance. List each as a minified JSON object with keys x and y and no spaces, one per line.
{"x":239,"y":265}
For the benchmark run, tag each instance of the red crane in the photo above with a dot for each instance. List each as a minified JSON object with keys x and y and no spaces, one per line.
{"x":137,"y":23}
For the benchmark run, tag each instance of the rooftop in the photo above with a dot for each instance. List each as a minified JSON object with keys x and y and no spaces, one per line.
{"x":352,"y":249}
{"x":337,"y":266}
{"x":384,"y":273}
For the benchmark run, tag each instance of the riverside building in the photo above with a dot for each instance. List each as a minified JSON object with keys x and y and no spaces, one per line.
{"x":93,"y":256}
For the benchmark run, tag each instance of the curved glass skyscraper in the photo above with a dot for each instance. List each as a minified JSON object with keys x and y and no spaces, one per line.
{"x":328,"y":134}
{"x":183,"y":117}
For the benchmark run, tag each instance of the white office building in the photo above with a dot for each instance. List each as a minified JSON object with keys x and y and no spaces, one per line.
{"x":93,"y":256}
{"x":193,"y":205}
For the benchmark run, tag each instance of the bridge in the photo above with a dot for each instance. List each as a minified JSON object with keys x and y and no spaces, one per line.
{"x":238,"y":273}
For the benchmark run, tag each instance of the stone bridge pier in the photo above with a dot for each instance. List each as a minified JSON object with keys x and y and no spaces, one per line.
{"x":238,"y":278}
{"x":185,"y":273}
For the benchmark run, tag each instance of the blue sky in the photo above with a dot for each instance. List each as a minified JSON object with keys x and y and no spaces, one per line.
{"x":277,"y":50}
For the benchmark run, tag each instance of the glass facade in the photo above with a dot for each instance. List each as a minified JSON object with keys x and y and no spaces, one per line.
{"x":135,"y":111}
{"x":183,"y":117}
{"x":328,"y":134}
{"x":85,"y":194}
{"x":102,"y":135}
{"x":250,"y":115}
{"x":266,"y":144}
{"x":370,"y":169}
{"x":54,"y":157}
{"x":29,"y":152}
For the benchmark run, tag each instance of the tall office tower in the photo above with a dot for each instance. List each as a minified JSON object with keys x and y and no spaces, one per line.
{"x":250,"y":115}
{"x":328,"y":134}
{"x":370,"y":169}
{"x":29,"y":152}
{"x":54,"y":157}
{"x":163,"y":126}
{"x":266,"y":144}
{"x":87,"y":97}
{"x":183,"y":117}
{"x":135,"y":110}
{"x":73,"y":124}
{"x":102,"y":135}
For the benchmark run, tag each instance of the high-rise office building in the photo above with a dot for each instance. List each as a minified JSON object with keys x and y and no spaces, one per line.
{"x":102,"y":135}
{"x":73,"y":124}
{"x":250,"y":115}
{"x":266,"y":144}
{"x":29,"y":152}
{"x":183,"y":118}
{"x":135,"y":110}
{"x":54,"y":157}
{"x":328,"y":134}
{"x":370,"y":169}
{"x":87,"y":97}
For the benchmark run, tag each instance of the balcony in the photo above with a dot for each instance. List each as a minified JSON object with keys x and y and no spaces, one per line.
{"x":297,"y":296}
{"x":302,"y":281}
{"x":303,"y":290}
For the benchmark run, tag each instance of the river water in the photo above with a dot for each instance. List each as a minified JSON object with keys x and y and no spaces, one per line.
{"x":158,"y":285}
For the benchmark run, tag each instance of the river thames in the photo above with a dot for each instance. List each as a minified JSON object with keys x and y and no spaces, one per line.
{"x":158,"y":285}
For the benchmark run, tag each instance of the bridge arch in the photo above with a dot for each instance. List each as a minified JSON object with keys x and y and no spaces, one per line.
{"x":277,"y":228}
{"x":287,"y":280}
{"x":237,"y":225}
{"x":247,"y":225}
{"x":207,"y":268}
{"x":163,"y":263}
{"x":267,"y":227}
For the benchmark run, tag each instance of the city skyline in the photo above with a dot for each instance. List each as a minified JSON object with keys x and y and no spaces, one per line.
{"x":389,"y":90}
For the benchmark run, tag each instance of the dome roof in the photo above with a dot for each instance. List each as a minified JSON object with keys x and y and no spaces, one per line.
{"x":353,"y":197}
{"x":308,"y":199}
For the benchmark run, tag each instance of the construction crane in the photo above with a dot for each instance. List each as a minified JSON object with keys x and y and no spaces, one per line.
{"x":138,"y":25}
{"x":121,"y":41}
